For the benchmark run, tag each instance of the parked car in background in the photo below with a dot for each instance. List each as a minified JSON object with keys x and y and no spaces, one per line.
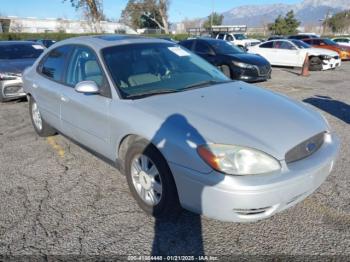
{"x":240,"y":40}
{"x":275,"y":37}
{"x":292,"y":52}
{"x":303,"y":36}
{"x":230,"y":59}
{"x":15,"y":56}
{"x":45,"y":42}
{"x":343,"y":41}
{"x":181,"y":131}
{"x":325,"y":43}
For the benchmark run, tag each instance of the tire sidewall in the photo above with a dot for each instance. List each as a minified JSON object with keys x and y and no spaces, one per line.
{"x":169,"y":199}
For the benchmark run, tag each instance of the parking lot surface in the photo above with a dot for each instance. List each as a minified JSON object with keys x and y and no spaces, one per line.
{"x":57,"y":199}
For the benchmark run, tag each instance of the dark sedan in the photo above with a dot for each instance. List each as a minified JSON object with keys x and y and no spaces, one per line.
{"x":233,"y":61}
{"x":15,"y":56}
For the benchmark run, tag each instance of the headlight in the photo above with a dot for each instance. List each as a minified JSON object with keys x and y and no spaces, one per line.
{"x":8,"y":76}
{"x":242,"y":65}
{"x":237,"y":160}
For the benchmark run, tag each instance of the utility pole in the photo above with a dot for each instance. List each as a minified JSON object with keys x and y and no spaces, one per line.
{"x":211,"y":16}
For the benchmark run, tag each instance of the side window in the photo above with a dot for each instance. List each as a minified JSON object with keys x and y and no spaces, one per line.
{"x":267,"y":45}
{"x":202,"y":48}
{"x":53,"y":64}
{"x":83,"y":66}
{"x":284,"y":45}
{"x":229,"y":38}
{"x":221,"y":36}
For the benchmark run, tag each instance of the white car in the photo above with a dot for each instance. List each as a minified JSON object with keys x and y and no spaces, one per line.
{"x":239,"y":40}
{"x":342,"y":40}
{"x":292,"y":52}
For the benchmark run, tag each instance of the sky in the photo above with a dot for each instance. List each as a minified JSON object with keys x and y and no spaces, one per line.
{"x":179,"y":9}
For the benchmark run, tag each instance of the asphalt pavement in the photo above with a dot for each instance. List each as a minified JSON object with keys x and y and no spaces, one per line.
{"x":57,"y":199}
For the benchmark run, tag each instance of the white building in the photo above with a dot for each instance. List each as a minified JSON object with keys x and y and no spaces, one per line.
{"x":51,"y":25}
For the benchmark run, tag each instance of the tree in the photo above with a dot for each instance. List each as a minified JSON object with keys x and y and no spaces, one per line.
{"x":147,"y":13}
{"x":213,"y":19}
{"x":92,"y":10}
{"x":286,"y":25}
{"x":339,"y":22}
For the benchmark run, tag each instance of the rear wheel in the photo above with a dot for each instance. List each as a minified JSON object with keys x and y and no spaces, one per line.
{"x":315,"y":64}
{"x":40,"y":126}
{"x":150,"y":180}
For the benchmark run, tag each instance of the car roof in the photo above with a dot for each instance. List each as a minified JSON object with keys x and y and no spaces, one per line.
{"x":103,"y":41}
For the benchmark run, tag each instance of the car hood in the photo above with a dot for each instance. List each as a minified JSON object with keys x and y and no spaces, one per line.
{"x":247,"y":58}
{"x":16,"y":66}
{"x":321,"y":51}
{"x":237,"y":113}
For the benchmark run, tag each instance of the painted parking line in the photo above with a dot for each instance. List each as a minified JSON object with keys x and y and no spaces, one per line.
{"x":53,"y":143}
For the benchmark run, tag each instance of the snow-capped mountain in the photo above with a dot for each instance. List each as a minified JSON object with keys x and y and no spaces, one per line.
{"x":309,"y":12}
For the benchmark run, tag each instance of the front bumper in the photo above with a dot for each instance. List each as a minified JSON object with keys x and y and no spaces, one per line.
{"x":251,"y":198}
{"x":331,"y":63}
{"x":12,"y":89}
{"x":255,"y":74}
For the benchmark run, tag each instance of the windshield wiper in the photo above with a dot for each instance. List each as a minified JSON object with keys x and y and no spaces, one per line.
{"x":205,"y":83}
{"x":152,"y":93}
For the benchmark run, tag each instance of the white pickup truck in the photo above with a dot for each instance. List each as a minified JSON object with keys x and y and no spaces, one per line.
{"x":238,"y":39}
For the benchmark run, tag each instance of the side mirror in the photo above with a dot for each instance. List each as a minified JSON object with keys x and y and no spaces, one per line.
{"x":87,"y":87}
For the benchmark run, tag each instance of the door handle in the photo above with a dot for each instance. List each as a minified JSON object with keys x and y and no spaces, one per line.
{"x":64,"y":99}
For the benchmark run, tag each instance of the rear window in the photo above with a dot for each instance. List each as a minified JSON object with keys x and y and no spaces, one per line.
{"x":20,"y":51}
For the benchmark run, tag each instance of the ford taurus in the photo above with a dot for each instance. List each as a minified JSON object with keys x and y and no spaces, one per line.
{"x":182,"y":132}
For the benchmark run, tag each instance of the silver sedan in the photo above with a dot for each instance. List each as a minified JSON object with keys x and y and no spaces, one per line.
{"x":15,"y":56}
{"x":182,"y":133}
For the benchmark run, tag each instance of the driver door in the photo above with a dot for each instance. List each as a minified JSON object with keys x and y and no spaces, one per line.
{"x":87,"y":116}
{"x":286,"y":54}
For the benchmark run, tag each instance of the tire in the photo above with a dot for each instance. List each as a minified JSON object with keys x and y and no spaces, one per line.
{"x":315,"y":64}
{"x":226,"y":70}
{"x":166,"y":204}
{"x":43,"y":129}
{"x":2,"y":99}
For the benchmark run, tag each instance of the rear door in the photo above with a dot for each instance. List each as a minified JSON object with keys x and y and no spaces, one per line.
{"x":87,"y":116}
{"x":265,"y":50}
{"x":48,"y":85}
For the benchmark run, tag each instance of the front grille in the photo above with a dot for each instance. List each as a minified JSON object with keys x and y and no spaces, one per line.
{"x":13,"y":89}
{"x":306,"y":148}
{"x":251,"y":211}
{"x":264,"y":70}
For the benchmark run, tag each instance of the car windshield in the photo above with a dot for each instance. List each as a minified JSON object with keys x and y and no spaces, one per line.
{"x":141,"y":70}
{"x":300,"y":44}
{"x":20,"y":51}
{"x":240,"y":36}
{"x":329,"y":42}
{"x":225,"y":48}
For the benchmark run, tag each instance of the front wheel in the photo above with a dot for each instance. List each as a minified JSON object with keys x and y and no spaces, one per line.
{"x":315,"y":64}
{"x":40,"y":126}
{"x":150,"y":180}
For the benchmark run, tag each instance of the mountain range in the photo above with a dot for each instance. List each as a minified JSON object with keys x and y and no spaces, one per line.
{"x":309,"y":12}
